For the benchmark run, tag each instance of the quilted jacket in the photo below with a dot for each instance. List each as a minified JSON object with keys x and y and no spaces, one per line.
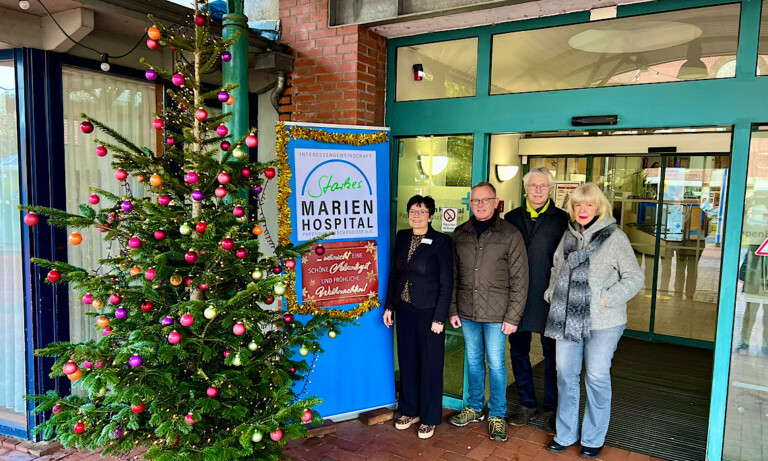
{"x":490,"y":273}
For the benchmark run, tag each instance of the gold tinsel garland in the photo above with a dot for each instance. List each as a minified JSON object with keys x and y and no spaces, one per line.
{"x":284,"y":212}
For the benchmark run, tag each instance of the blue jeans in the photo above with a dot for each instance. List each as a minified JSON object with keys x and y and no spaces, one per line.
{"x":597,"y":353}
{"x":485,"y":341}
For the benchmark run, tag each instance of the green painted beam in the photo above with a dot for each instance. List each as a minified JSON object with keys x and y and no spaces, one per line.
{"x":235,"y":72}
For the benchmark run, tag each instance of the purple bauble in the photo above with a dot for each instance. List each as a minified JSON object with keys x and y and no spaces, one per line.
{"x":127,"y":206}
{"x":197,"y":195}
{"x":257,"y":190}
{"x":121,"y":313}
{"x":150,"y":74}
{"x":134,"y":361}
{"x":164,"y":200}
{"x":117,"y":433}
{"x":167,"y":321}
{"x":226,"y":56}
{"x":223,"y":96}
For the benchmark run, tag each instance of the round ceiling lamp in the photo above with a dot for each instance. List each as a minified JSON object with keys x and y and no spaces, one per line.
{"x":635,"y":37}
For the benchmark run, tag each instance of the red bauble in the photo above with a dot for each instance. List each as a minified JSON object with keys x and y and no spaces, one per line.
{"x":203,"y":287}
{"x":225,"y":145}
{"x":245,"y":172}
{"x":187,"y":320}
{"x":121,"y":174}
{"x":201,"y":114}
{"x":277,"y":269}
{"x":226,"y":353}
{"x":31,"y":219}
{"x":288,"y":318}
{"x":188,"y":419}
{"x":94,"y":199}
{"x":224,"y":178}
{"x":174,"y":338}
{"x":220,"y":192}
{"x":290,"y":263}
{"x":238,"y":329}
{"x":150,"y":274}
{"x":227,"y":243}
{"x":201,"y":227}
{"x":319,"y":250}
{"x":115,"y":299}
{"x":101,"y":151}
{"x":270,"y":173}
{"x":277,"y":435}
{"x":54,"y":276}
{"x":293,"y":370}
{"x":241,"y":253}
{"x":251,"y":140}
{"x":160,"y":234}
{"x":86,"y":127}
{"x":69,"y":368}
{"x":152,"y":44}
{"x":79,"y":428}
{"x":270,"y":299}
{"x":158,"y":124}
{"x":200,"y":20}
{"x":137,"y":408}
{"x":190,"y":257}
{"x":307,"y":416}
{"x":147,"y":306}
{"x":238,"y":211}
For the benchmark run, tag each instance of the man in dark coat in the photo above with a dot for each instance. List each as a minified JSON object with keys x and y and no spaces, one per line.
{"x":542,"y":225}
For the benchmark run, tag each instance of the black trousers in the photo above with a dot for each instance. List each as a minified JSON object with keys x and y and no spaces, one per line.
{"x":519,"y":352}
{"x":421,"y":354}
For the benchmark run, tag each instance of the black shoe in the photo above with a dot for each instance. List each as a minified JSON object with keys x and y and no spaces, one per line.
{"x":554,"y":447}
{"x":549,"y":423}
{"x":522,"y":417}
{"x":590,"y":453}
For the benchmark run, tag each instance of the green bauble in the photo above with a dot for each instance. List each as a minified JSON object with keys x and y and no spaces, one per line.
{"x":303,"y":351}
{"x":279,"y":289}
{"x":238,"y":153}
{"x":332,"y":334}
{"x":257,"y":436}
{"x":185,"y":229}
{"x":210,"y":313}
{"x":252,"y":346}
{"x":257,"y":274}
{"x":236,"y":361}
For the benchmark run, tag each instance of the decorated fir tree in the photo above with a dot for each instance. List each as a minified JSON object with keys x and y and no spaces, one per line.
{"x":194,"y":361}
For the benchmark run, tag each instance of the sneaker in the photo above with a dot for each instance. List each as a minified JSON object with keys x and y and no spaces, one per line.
{"x":554,"y":447}
{"x":549,"y":423}
{"x":589,"y":452}
{"x":498,"y":429}
{"x":404,"y":422}
{"x":467,"y":415}
{"x":426,"y":431}
{"x":522,"y":416}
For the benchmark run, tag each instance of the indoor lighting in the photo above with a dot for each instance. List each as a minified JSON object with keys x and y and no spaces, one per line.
{"x":24,"y":4}
{"x":105,"y":62}
{"x":506,"y":172}
{"x":433,"y":164}
{"x":693,"y":67}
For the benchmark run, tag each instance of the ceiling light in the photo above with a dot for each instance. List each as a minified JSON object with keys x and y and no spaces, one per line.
{"x":24,"y":4}
{"x":506,"y":172}
{"x":433,"y":164}
{"x":105,"y":62}
{"x":693,"y":68}
{"x":623,"y":37}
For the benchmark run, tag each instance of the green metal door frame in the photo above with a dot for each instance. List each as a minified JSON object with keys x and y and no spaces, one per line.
{"x":678,"y":104}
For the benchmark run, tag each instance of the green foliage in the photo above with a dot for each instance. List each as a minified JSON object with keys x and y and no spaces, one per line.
{"x":256,"y":375}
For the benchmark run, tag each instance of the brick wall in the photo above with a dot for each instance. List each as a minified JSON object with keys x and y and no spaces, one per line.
{"x":339,"y":73}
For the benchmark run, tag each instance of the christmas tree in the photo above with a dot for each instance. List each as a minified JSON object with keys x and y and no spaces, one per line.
{"x":194,"y":362}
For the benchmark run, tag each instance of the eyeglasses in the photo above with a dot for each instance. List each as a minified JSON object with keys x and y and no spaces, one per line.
{"x":484,"y":201}
{"x":537,"y":186}
{"x":418,"y":212}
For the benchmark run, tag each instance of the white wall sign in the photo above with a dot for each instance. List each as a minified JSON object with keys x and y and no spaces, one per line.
{"x":336,"y":192}
{"x":563,"y":190}
{"x":450,"y":218}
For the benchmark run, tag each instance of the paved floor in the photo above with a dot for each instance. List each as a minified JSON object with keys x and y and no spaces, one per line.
{"x":354,"y":441}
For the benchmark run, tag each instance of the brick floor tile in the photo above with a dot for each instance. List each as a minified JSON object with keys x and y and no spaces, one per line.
{"x":481,"y":450}
{"x":638,"y":457}
{"x":540,"y":437}
{"x":530,"y":449}
{"x":344,"y":444}
{"x":343,"y":455}
{"x":614,"y":454}
{"x":520,"y":432}
{"x":16,"y":456}
{"x":448,"y":456}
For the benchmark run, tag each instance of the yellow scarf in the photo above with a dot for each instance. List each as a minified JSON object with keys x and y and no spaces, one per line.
{"x":535,"y":214}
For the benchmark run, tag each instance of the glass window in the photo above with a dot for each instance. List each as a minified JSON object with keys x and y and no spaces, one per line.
{"x":746,"y":427}
{"x":12,"y":348}
{"x":691,"y":44}
{"x":439,"y":166}
{"x":127,"y":106}
{"x":437,"y":70}
{"x":762,"y":44}
{"x":506,"y":170}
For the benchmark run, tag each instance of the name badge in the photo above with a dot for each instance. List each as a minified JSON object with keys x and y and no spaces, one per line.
{"x":426,"y":241}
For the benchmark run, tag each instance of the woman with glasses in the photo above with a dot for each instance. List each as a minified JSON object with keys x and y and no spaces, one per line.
{"x":595,"y":273}
{"x":420,"y":290}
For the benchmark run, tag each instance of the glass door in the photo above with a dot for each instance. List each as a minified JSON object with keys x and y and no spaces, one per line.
{"x":13,"y":413}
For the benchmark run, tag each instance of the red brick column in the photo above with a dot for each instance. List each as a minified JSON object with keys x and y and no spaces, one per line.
{"x":339,"y":73}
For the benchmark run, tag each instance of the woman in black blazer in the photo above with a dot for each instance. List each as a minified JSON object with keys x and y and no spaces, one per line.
{"x":420,"y":290}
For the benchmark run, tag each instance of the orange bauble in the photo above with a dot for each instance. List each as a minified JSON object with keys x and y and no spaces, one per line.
{"x":156,"y":180}
{"x":230,"y":101}
{"x":75,"y":376}
{"x":102,"y":322}
{"x":140,"y":178}
{"x":75,"y":238}
{"x":154,"y":33}
{"x":257,"y":230}
{"x":135,"y":270}
{"x":176,"y":280}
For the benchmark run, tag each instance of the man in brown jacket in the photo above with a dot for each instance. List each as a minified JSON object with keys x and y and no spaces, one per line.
{"x":490,"y":290}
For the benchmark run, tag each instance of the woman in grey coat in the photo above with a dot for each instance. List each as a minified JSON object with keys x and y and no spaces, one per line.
{"x":595,"y":273}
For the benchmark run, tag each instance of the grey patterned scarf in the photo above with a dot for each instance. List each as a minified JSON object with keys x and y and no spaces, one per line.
{"x":569,"y":311}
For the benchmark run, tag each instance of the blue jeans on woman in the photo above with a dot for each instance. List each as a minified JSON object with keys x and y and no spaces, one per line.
{"x":485,"y":341}
{"x":597,"y":353}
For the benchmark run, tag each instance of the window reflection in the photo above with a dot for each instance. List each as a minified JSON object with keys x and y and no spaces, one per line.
{"x":437,"y":70}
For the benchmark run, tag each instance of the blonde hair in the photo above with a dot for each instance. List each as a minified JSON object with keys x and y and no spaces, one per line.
{"x":589,"y":193}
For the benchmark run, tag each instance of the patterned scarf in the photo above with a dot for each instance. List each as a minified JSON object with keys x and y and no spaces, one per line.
{"x":569,"y":311}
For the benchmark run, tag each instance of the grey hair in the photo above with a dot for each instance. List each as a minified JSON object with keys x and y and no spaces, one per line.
{"x":539,"y":170}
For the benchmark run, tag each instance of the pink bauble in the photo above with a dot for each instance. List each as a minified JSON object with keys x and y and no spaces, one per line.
{"x":226,"y":353}
{"x":187,"y":320}
{"x":87,"y":298}
{"x":174,"y":338}
{"x":164,"y":200}
{"x":192,"y":177}
{"x":290,"y":263}
{"x":212,"y":392}
{"x":99,"y":364}
{"x":203,"y":286}
{"x":227,"y":243}
{"x":220,"y":192}
{"x":251,"y":141}
{"x":31,"y":219}
{"x":158,"y":124}
{"x":200,"y":20}
{"x":86,"y":127}
{"x":245,"y":172}
{"x":94,"y":199}
{"x":222,"y":130}
{"x":152,"y":44}
{"x":190,"y":257}
{"x":201,"y":114}
{"x":69,"y":368}
{"x":138,"y":408}
{"x":188,"y":281}
{"x":238,"y":329}
{"x":88,"y":364}
{"x":177,"y":79}
{"x":101,"y":151}
{"x":277,"y":435}
{"x":160,"y":235}
{"x":224,"y":178}
{"x":106,"y":331}
{"x":115,"y":299}
{"x":134,"y":242}
{"x":149,"y":274}
{"x":170,"y":141}
{"x":241,"y":253}
{"x":56,"y":409}
{"x":307,"y":416}
{"x":121,"y":174}
{"x":188,"y":419}
{"x":238,"y":211}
